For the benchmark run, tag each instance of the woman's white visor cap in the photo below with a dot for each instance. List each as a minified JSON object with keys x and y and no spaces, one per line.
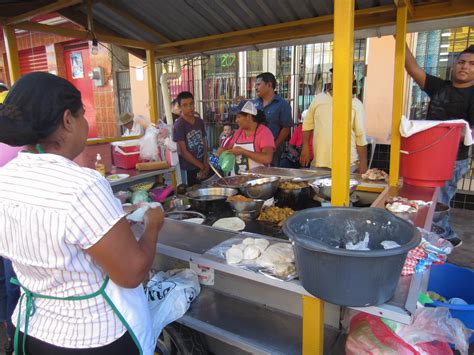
{"x":248,"y":107}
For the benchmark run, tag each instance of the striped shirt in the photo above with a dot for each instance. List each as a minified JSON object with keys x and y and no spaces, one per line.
{"x":51,"y":211}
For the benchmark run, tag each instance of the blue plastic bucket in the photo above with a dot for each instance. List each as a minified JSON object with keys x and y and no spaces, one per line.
{"x":451,"y":281}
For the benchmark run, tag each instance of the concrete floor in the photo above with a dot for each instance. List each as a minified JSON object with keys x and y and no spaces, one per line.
{"x":461,"y":220}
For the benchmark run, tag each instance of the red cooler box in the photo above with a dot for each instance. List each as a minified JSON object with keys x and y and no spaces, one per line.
{"x":126,"y":154}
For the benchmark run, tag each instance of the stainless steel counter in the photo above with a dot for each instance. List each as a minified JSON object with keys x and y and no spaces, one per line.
{"x":189,"y":242}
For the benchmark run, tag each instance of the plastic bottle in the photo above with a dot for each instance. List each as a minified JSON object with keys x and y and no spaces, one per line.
{"x":99,"y":166}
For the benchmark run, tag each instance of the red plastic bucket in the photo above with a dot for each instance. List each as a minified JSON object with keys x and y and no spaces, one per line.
{"x":427,"y":158}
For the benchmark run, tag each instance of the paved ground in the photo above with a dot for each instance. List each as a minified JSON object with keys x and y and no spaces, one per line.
{"x":462,"y":221}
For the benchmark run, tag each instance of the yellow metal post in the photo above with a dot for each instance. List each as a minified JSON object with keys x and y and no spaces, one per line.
{"x":313,"y":308}
{"x":313,"y":326}
{"x":12,"y":53}
{"x":152,"y":94}
{"x":402,"y":14}
{"x":342,"y":100}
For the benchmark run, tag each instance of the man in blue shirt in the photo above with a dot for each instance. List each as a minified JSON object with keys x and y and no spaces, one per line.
{"x":277,"y":112}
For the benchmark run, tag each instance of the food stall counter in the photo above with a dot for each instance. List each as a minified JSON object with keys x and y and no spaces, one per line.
{"x":189,"y":242}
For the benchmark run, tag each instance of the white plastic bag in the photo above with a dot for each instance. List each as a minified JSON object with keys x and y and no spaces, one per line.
{"x":170,"y":295}
{"x":436,"y":324}
{"x":149,"y":144}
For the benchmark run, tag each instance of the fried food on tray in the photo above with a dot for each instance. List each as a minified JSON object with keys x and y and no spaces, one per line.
{"x":400,"y":205}
{"x":375,"y":174}
{"x":238,"y":198}
{"x":276,"y":215}
{"x":291,"y":185}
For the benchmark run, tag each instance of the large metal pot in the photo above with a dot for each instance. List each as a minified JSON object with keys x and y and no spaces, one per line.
{"x":323,"y":186}
{"x":211,"y":199}
{"x":263,"y":188}
{"x":294,"y":198}
{"x":236,"y":181}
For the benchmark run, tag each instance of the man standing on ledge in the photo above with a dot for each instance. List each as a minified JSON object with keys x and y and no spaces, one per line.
{"x":449,"y":99}
{"x":277,"y":112}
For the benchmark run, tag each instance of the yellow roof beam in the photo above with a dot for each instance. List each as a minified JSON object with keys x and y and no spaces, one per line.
{"x":136,"y":22}
{"x":84,"y":35}
{"x":280,"y":26}
{"x":366,"y":18}
{"x":53,"y":7}
{"x":284,"y":31}
{"x":447,"y":9}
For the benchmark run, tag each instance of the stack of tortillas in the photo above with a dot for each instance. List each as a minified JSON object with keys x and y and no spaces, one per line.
{"x":230,"y":223}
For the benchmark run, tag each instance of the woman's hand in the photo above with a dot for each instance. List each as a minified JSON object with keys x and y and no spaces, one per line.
{"x":237,"y":151}
{"x":305,"y":156}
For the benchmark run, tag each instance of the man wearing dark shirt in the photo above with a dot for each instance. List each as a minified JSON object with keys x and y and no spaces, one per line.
{"x":449,"y":100}
{"x":190,"y":135}
{"x":277,"y":112}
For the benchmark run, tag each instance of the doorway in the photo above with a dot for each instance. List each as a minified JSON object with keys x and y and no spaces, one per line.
{"x":78,"y":67}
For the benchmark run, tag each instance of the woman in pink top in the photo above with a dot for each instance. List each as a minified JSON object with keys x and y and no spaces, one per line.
{"x":253,"y":143}
{"x":290,"y":159}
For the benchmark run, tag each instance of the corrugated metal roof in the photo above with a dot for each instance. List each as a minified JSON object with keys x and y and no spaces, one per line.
{"x":186,"y":19}
{"x":160,"y":21}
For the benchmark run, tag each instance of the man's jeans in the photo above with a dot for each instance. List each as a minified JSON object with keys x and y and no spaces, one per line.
{"x":447,"y":192}
{"x":9,"y":293}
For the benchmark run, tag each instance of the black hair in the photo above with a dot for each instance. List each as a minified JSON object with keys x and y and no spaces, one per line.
{"x":268,"y":78}
{"x":34,"y":108}
{"x":468,"y":50}
{"x":260,"y":117}
{"x":174,"y":102}
{"x":227,"y":124}
{"x":184,"y":95}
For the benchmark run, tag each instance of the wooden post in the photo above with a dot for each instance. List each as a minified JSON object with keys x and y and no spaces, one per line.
{"x":152,"y":94}
{"x":12,"y":53}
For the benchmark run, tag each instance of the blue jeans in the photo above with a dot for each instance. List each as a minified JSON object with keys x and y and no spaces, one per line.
{"x":447,"y":192}
{"x":9,"y":293}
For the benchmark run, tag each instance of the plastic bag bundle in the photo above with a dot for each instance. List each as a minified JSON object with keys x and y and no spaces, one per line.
{"x":139,"y":197}
{"x":435,"y":324}
{"x":149,"y":144}
{"x":170,"y":295}
{"x":430,"y":332}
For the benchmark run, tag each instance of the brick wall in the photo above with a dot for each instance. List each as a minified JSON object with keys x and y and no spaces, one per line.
{"x":104,"y":97}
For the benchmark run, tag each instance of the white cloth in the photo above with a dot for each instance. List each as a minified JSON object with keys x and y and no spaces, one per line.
{"x":139,"y":214}
{"x":409,"y":128}
{"x":137,"y":130}
{"x":51,"y":211}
